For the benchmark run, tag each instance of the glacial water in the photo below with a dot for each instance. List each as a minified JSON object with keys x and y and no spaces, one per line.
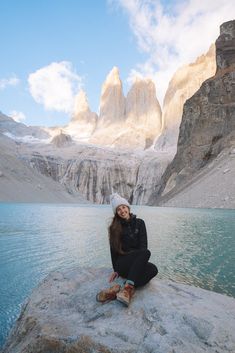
{"x":194,"y":246}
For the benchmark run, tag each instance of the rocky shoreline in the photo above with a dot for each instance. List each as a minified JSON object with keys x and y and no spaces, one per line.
{"x":62,"y":315}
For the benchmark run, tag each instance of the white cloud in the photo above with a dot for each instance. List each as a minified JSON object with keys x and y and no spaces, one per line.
{"x":12,"y":81}
{"x":55,"y":86}
{"x":173,"y":35}
{"x":17,"y":116}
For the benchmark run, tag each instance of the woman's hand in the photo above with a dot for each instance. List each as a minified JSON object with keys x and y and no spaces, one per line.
{"x":113,"y":276}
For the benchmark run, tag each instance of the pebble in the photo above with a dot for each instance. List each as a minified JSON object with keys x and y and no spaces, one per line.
{"x":226,"y":170}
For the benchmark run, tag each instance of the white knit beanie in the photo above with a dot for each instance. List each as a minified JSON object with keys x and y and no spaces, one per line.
{"x":116,"y":201}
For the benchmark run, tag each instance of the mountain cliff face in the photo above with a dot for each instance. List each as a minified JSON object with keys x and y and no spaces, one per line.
{"x":185,"y":82}
{"x":112,"y":102}
{"x":97,"y":172}
{"x":131,"y":122}
{"x":208,"y":123}
{"x":143,"y":110}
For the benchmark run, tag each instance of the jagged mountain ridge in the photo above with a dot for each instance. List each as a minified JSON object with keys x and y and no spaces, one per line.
{"x":132,"y":121}
{"x":96,"y":172}
{"x":135,"y":121}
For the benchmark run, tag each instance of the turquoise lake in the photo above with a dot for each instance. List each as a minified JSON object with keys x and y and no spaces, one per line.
{"x":194,"y":246}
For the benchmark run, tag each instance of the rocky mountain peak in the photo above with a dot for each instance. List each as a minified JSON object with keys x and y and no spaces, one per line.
{"x":112,"y":102}
{"x":81,"y":103}
{"x":83,"y":121}
{"x":112,"y":78}
{"x":143,"y":108}
{"x":225,"y":46}
{"x":82,"y":113}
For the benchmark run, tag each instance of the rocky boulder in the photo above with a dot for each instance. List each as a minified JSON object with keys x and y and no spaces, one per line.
{"x":61,"y":140}
{"x":62,"y":315}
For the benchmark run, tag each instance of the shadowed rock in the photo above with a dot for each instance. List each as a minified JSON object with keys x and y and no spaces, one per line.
{"x":208,"y":122}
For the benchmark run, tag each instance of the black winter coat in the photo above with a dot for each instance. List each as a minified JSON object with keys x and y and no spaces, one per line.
{"x":134,"y":237}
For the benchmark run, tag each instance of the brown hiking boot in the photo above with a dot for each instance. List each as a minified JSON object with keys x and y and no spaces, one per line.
{"x":126,"y":293}
{"x":108,"y":294}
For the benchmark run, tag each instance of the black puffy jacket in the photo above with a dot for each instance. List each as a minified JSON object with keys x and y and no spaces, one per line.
{"x":134,"y":237}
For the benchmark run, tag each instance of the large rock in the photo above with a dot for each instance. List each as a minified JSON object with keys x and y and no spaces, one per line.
{"x":62,"y":315}
{"x":208,"y":123}
{"x":61,"y":140}
{"x":185,"y":82}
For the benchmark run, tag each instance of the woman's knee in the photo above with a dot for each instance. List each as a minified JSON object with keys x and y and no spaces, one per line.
{"x":145,"y":252}
{"x":155,"y":270}
{"x":152,"y":269}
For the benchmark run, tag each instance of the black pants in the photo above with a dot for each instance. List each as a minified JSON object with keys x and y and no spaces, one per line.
{"x":135,"y":267}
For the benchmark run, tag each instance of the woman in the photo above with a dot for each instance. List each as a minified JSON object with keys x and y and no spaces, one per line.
{"x":129,"y":253}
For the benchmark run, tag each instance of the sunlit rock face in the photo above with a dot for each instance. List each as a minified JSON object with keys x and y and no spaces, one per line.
{"x":112,"y":102}
{"x":185,"y":82}
{"x":83,"y":122}
{"x":131,"y":122}
{"x":143,"y":111}
{"x":208,"y":122}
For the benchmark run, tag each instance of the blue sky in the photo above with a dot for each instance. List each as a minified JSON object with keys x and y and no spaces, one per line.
{"x":75,"y":43}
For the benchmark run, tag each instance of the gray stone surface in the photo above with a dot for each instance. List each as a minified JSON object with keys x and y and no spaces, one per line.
{"x":63,"y":316}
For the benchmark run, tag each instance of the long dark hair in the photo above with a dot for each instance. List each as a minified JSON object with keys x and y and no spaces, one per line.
{"x":115,"y":232}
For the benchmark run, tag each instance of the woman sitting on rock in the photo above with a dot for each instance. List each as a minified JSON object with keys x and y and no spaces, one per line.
{"x":129,"y":253}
